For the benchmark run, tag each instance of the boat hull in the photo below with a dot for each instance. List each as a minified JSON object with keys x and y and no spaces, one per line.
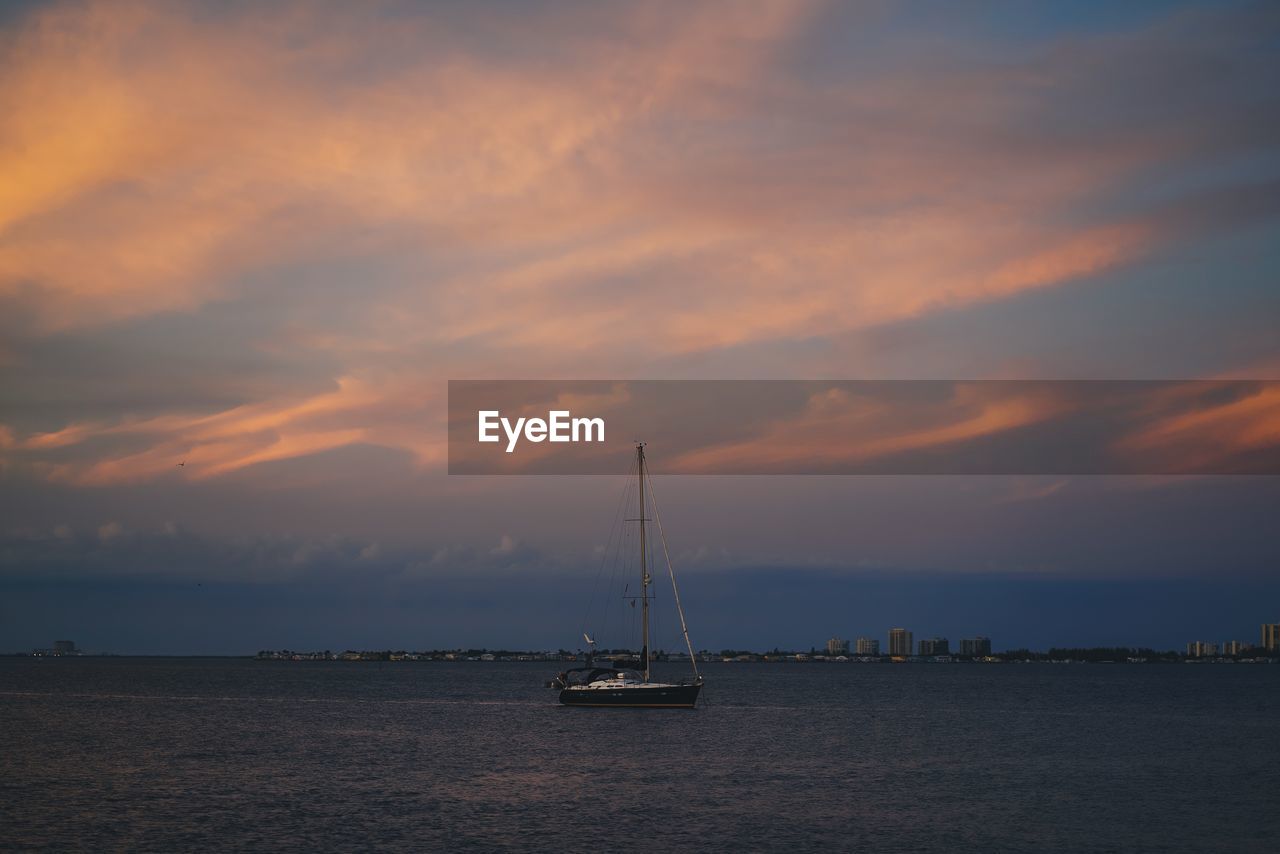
{"x":633,"y":697}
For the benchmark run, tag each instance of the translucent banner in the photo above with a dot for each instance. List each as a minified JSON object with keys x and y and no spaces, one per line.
{"x":1004,"y":427}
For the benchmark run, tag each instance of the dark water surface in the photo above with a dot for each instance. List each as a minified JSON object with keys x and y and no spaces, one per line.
{"x":227,"y":754}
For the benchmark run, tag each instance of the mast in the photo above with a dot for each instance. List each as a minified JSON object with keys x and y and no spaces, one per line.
{"x":644,"y":567}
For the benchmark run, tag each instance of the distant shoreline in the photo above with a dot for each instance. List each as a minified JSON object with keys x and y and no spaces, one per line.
{"x":485,"y":656}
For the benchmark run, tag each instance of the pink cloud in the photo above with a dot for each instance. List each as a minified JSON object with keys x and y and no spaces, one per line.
{"x":633,"y":186}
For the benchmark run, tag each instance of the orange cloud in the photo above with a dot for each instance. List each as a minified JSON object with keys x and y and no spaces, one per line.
{"x":621,"y":188}
{"x":148,"y":180}
{"x":1209,"y":435}
{"x":837,"y":429}
{"x":224,"y":442}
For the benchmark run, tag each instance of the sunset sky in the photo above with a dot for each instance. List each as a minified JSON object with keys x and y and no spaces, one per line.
{"x":261,"y":238}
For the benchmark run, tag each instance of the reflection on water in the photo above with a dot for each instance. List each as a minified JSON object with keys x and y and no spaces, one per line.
{"x":178,"y":754}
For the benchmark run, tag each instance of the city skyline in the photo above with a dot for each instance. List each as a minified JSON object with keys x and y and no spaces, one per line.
{"x":836,"y":648}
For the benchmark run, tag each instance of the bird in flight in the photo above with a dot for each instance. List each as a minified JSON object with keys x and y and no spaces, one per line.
{"x":183,"y":463}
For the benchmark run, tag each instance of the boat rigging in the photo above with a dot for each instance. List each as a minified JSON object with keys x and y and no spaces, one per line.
{"x":631,"y":684}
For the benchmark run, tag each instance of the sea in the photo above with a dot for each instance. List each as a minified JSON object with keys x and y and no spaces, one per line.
{"x":180,"y":754}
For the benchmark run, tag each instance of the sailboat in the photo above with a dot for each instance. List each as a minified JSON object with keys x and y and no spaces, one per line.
{"x":630,"y":684}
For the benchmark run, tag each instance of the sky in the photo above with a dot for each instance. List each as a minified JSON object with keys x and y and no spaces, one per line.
{"x":261,"y":238}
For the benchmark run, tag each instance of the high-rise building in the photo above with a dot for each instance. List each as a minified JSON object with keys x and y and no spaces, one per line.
{"x":837,"y":646}
{"x":1271,"y":637}
{"x":64,"y":647}
{"x":899,"y":642}
{"x":978,"y":647}
{"x":935,"y":646}
{"x":1201,"y":649}
{"x":1232,"y":647}
{"x":867,"y":646}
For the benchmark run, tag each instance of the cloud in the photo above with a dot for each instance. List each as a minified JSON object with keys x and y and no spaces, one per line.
{"x":1214,"y":428}
{"x":886,"y":427}
{"x":838,"y":429}
{"x":170,"y":551}
{"x":319,"y":214}
{"x":211,"y":445}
